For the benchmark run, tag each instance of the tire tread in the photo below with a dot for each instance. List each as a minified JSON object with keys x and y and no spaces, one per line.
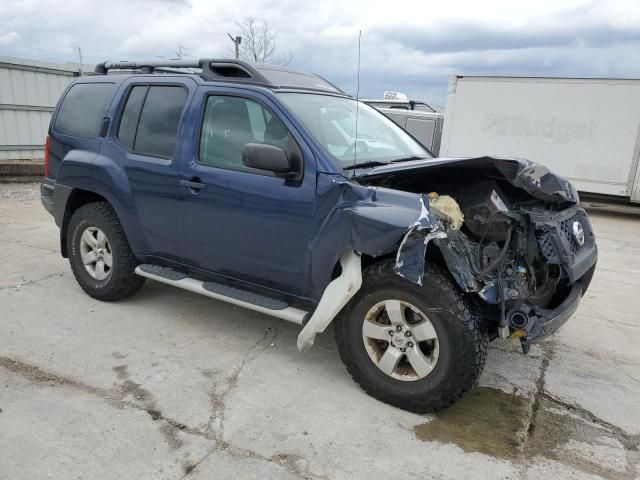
{"x":127,"y":282}
{"x":475,"y":340}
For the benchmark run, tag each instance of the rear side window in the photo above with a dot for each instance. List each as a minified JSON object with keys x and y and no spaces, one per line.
{"x":130,"y":116}
{"x":150,"y":119}
{"x":83,"y":108}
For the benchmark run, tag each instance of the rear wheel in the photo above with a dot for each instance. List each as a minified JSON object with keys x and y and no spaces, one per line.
{"x":99,"y":253}
{"x":419,"y":348}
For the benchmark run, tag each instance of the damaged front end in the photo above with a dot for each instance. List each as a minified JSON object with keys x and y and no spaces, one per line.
{"x":510,"y":232}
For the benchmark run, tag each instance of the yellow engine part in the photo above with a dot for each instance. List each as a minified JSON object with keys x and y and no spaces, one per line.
{"x":448,"y":206}
{"x":517,"y":333}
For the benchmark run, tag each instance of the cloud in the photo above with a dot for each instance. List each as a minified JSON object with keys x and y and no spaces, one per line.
{"x":410,"y":46}
{"x":8,"y":38}
{"x":469,"y":37}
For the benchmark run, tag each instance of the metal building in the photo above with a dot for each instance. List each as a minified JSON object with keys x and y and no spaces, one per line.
{"x":29,"y":91}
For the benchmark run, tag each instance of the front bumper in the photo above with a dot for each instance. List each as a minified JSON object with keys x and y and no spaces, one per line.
{"x":547,"y":321}
{"x":560,"y":246}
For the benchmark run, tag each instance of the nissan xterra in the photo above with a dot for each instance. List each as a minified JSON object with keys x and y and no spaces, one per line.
{"x":274,"y":190}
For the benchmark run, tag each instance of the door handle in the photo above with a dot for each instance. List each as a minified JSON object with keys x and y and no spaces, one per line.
{"x":193,"y":184}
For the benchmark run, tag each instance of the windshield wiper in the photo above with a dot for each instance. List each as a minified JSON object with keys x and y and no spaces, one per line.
{"x":373,"y":163}
{"x":408,"y":159}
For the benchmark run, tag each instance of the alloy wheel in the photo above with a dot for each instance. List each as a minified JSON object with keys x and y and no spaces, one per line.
{"x":400,"y":340}
{"x":95,"y":252}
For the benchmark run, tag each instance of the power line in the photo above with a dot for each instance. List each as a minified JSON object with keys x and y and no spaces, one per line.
{"x":182,"y":52}
{"x":71,"y":50}
{"x":40,"y":49}
{"x":33,"y":40}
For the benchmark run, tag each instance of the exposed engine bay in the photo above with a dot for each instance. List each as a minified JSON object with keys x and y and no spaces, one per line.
{"x":516,"y":248}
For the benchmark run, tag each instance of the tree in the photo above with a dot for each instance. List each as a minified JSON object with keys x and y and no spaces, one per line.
{"x":259,"y":43}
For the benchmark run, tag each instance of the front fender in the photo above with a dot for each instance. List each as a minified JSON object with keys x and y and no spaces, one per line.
{"x":371,"y":220}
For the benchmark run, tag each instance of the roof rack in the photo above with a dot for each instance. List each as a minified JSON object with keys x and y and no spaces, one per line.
{"x":228,"y":70}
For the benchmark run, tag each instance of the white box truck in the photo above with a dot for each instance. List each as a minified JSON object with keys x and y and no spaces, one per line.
{"x":587,"y":130}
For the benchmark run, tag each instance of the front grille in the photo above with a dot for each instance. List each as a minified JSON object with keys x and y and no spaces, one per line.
{"x":546,"y":247}
{"x":555,"y":237}
{"x":566,"y":230}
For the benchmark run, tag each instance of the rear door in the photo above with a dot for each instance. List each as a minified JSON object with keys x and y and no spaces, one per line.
{"x":240,"y":222}
{"x":146,"y":147}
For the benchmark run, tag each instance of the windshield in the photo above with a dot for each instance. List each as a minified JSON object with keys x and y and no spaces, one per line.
{"x":332,"y":121}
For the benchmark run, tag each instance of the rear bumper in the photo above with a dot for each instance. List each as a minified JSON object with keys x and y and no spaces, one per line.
{"x":47,"y":189}
{"x":546,"y":321}
{"x":54,"y":197}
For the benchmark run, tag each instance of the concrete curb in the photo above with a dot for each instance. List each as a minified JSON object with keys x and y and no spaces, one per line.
{"x":21,"y":171}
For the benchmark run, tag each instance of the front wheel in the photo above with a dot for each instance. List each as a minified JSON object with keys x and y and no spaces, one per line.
{"x":419,"y":348}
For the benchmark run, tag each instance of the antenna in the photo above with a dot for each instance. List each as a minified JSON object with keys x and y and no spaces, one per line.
{"x":355,"y":142}
{"x":80,"y":67}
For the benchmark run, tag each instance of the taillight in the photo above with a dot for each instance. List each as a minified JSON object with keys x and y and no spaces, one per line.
{"x":46,"y":156}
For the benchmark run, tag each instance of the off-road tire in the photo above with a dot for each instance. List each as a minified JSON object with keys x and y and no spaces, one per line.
{"x":122,"y":282}
{"x":463,"y":341}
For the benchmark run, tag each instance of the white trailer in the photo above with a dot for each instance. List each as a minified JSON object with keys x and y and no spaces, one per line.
{"x":587,"y":130}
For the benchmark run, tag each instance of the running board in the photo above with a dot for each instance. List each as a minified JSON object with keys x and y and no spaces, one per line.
{"x":242,"y":298}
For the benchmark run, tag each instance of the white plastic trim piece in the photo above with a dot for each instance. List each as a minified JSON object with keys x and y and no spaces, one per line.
{"x":336,"y":295}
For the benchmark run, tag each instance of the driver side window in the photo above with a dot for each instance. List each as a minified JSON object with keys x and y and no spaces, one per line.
{"x":232,"y":122}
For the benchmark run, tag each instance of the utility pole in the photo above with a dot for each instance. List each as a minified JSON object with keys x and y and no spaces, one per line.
{"x":237,"y":40}
{"x":80,"y":56}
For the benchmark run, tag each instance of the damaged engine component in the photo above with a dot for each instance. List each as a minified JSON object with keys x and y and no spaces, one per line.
{"x":486,"y":210}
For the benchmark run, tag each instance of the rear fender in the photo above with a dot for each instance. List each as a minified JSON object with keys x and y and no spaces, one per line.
{"x":105,"y":179}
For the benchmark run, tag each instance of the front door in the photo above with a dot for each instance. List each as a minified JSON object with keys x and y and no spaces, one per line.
{"x":237,"y":221}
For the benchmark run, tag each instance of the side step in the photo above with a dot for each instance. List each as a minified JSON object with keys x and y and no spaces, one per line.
{"x":252,"y":301}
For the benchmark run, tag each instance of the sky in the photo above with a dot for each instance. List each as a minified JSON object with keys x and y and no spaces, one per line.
{"x":406,"y":46}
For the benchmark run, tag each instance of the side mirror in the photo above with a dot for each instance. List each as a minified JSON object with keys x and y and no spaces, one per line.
{"x":270,"y":158}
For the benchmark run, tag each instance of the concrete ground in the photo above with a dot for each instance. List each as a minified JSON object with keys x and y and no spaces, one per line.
{"x":169,"y":384}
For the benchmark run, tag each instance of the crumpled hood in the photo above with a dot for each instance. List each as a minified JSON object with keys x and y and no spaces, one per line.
{"x":531,"y":177}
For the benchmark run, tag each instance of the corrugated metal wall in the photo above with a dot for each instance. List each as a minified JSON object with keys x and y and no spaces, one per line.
{"x":29,"y":91}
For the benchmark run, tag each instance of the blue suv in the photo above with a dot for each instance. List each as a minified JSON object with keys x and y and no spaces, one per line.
{"x":274,"y":190}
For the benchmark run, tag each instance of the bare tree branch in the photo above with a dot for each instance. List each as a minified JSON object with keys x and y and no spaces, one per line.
{"x":259,"y":43}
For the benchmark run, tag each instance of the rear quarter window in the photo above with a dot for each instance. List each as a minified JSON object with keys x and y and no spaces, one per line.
{"x":83,"y":108}
{"x":150,"y":119}
{"x":159,"y":120}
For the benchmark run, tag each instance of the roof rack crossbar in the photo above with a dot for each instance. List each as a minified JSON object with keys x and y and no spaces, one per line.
{"x":104,"y":67}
